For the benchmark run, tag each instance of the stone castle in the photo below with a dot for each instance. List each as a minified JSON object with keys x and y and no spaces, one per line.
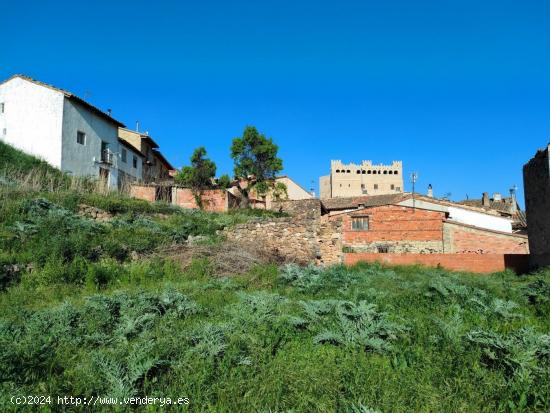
{"x":349,"y":180}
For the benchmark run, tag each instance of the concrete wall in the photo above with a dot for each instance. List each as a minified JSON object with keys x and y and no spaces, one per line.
{"x":478,"y":263}
{"x":536,"y":181}
{"x":32,"y":119}
{"x":348,"y":180}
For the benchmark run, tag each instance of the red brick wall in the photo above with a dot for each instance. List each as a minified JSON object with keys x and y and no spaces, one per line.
{"x":215,"y":200}
{"x":395,"y":223}
{"x":143,"y":192}
{"x":463,"y":239}
{"x":478,"y":263}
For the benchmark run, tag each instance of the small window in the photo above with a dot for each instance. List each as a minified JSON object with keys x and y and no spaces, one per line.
{"x":81,"y":138}
{"x":123,"y":155}
{"x":395,"y":173}
{"x":134,"y":162}
{"x":4,"y":132}
{"x":385,"y":172}
{"x":2,"y":107}
{"x":363,"y":172}
{"x":338,"y":171}
{"x":362,"y":186}
{"x":348,"y":171}
{"x":358,"y":171}
{"x":369,"y":172}
{"x":392,"y":186}
{"x":375,"y":186}
{"x":382,"y":249}
{"x":398,"y":188}
{"x":390,"y":172}
{"x":360,"y":223}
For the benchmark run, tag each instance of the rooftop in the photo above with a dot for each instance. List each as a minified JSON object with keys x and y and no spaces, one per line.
{"x":68,"y":95}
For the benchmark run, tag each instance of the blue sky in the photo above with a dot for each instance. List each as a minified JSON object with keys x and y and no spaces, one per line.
{"x":458,"y":90}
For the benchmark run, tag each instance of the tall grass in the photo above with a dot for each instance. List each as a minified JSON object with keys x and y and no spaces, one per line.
{"x":87,"y":309}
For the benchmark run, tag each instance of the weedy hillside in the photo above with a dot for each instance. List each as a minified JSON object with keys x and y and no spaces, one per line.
{"x":99,"y":308}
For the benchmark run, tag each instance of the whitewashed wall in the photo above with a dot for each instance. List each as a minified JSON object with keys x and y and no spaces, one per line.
{"x":465,"y":216}
{"x":32,"y":118}
{"x":84,"y":160}
{"x":479,"y":219}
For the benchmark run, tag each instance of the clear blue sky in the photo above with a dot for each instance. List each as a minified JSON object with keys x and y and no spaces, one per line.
{"x":459,"y":90}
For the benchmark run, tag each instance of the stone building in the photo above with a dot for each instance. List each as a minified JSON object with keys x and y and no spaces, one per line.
{"x":346,"y":180}
{"x":536,"y":181}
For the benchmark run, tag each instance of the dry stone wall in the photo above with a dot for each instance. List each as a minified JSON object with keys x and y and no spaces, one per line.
{"x":303,"y":237}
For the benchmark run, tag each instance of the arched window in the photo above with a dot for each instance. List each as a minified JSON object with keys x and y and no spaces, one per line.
{"x":395,"y":172}
{"x":358,"y":171}
{"x":390,"y":172}
{"x":363,"y":172}
{"x":369,"y":172}
{"x":338,"y":171}
{"x":349,"y":171}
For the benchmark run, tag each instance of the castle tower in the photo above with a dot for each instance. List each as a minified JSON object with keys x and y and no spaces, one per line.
{"x":366,"y":178}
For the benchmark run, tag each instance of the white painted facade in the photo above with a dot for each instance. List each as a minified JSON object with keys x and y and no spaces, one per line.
{"x":45,"y":122}
{"x":32,"y":119}
{"x":479,"y":219}
{"x":464,"y":215}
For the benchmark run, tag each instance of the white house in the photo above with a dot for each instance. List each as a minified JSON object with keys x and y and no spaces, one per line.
{"x":66,"y":131}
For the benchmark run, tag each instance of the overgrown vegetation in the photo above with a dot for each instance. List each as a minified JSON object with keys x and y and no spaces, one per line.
{"x":96,"y":308}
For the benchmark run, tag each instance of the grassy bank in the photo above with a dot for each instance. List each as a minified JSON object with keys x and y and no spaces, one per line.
{"x":95,"y":308}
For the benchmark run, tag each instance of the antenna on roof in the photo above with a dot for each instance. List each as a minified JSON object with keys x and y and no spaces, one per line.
{"x":137,"y":125}
{"x":414,"y":178}
{"x":109,"y":111}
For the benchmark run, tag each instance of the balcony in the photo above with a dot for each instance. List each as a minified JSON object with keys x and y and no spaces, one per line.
{"x":107,"y":157}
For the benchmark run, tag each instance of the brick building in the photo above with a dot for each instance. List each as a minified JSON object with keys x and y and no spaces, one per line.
{"x":536,"y":181}
{"x":389,"y":231}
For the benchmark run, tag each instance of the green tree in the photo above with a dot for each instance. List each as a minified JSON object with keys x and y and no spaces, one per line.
{"x":224,"y":181}
{"x":256,"y":162}
{"x":199,"y":176}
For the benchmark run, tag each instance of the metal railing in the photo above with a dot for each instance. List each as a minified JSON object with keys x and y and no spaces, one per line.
{"x":107,"y":156}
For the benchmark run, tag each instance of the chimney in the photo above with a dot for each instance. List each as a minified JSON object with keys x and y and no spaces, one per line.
{"x":430,"y":191}
{"x":514,"y":206}
{"x":497,"y":197}
{"x":137,"y":125}
{"x":485,"y":200}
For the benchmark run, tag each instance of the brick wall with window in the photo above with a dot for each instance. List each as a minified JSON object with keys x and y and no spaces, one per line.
{"x":392,"y":228}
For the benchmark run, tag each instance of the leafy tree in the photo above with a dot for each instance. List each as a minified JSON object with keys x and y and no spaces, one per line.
{"x":199,"y":176}
{"x":224,"y":181}
{"x":256,"y":162}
